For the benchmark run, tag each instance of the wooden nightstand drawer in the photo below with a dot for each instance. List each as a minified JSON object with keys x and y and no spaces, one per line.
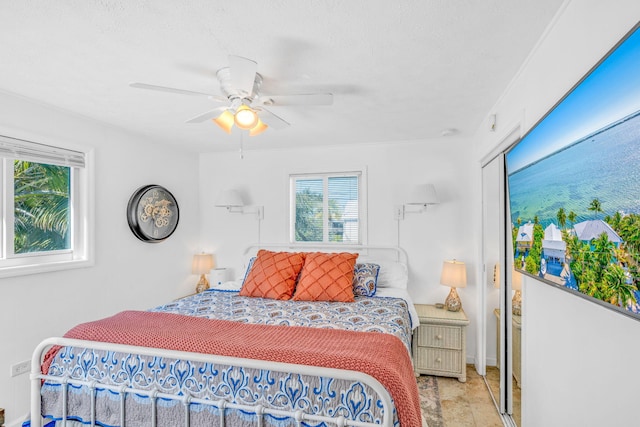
{"x":440,"y":337}
{"x":441,"y":360}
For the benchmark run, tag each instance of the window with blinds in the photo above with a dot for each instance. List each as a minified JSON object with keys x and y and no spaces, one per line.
{"x":326,"y":208}
{"x":44,"y":218}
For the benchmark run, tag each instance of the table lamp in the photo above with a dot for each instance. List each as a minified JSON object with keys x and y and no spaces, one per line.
{"x":454,"y":275}
{"x":202,"y":264}
{"x":516,"y":285}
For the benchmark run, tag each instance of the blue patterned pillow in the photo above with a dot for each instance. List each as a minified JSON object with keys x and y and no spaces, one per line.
{"x":246,"y":273}
{"x":365,"y":278}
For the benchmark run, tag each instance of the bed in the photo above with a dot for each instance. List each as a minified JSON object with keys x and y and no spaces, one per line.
{"x":324,"y":354}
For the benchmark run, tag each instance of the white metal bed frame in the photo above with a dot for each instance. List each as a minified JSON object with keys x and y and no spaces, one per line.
{"x":36,"y":383}
{"x":400,"y":255}
{"x":382,"y":394}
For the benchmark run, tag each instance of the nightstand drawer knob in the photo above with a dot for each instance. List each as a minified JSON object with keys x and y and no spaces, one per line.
{"x":438,"y":360}
{"x":438,"y":337}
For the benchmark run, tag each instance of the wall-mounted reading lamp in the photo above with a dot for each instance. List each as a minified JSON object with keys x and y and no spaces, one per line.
{"x":232,"y":200}
{"x":421,"y":197}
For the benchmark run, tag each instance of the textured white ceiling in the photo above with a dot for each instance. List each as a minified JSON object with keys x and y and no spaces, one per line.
{"x":399,"y":70}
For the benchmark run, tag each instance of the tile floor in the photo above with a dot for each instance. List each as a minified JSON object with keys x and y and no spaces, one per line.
{"x":467,"y":404}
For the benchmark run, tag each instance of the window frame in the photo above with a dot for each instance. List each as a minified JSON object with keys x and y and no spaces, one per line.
{"x":362,"y":206}
{"x":82,"y":214}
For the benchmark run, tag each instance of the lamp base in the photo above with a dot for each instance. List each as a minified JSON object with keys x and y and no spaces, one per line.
{"x":453,"y":303}
{"x":516,"y":304}
{"x":203,"y":284}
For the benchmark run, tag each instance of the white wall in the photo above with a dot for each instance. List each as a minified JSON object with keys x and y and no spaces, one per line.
{"x":128,"y":274}
{"x":579,"y":359}
{"x":445,"y":231}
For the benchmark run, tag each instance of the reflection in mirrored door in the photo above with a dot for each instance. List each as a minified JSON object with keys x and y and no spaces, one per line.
{"x":493,"y":276}
{"x":501,"y":327}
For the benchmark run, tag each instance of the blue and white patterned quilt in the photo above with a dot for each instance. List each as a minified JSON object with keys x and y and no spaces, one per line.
{"x":366,"y":314}
{"x":278,"y":390}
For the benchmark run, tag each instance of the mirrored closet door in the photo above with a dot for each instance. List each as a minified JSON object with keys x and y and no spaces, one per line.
{"x":502,"y":346}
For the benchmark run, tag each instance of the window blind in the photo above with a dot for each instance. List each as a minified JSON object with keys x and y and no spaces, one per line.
{"x":343,"y":208}
{"x":309,"y":210}
{"x":40,"y":153}
{"x":327,"y":208}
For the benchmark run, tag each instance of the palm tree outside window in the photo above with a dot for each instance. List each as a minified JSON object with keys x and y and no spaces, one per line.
{"x":42,"y":209}
{"x":45,"y":220}
{"x":327,"y":208}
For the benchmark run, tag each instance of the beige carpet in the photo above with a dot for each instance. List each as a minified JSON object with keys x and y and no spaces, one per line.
{"x":430,"y":400}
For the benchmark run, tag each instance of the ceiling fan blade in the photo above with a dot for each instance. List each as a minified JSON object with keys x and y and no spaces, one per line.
{"x":271,"y":119}
{"x":243,"y":74}
{"x":211,"y":114}
{"x":299,"y":99}
{"x":174,"y":90}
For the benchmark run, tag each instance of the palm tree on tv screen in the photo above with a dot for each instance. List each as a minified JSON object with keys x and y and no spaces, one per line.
{"x":596,"y":207}
{"x":616,"y":281}
{"x":562,"y":218}
{"x":604,"y":251}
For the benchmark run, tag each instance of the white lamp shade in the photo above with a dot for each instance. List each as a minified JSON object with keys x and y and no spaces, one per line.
{"x":516,"y":280}
{"x":229,"y":199}
{"x":202,"y":264}
{"x":424,"y":195}
{"x":454,"y":274}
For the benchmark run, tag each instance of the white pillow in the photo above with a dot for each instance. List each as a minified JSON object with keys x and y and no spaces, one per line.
{"x":392,"y":274}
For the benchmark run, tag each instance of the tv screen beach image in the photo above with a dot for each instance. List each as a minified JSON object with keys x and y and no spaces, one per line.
{"x":574,"y":186}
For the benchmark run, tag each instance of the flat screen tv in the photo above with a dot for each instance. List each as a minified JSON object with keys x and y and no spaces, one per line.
{"x":574,"y":186}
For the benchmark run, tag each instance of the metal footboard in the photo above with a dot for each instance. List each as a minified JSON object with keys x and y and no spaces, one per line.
{"x":37,"y":378}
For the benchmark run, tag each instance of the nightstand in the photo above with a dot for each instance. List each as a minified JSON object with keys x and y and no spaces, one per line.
{"x":439,"y":343}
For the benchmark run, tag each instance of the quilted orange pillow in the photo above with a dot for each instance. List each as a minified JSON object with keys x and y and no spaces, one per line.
{"x":273,"y":275}
{"x":326,"y":277}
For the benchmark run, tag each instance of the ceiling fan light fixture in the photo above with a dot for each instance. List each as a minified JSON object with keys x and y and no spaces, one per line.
{"x":240,"y":85}
{"x":246,"y":118}
{"x":225,"y":121}
{"x":258,"y":129}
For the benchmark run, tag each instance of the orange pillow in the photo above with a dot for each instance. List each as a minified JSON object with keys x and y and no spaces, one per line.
{"x":273,"y":275}
{"x":326,"y":277}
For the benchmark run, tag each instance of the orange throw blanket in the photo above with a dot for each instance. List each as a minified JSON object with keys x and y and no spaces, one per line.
{"x":380,"y":355}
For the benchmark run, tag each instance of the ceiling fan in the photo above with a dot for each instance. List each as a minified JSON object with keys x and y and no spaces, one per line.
{"x":243,"y":103}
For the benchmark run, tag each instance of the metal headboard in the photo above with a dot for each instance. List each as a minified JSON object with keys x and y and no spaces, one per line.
{"x":390,"y":252}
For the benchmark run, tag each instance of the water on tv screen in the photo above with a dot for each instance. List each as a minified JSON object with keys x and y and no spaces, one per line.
{"x":574,"y":186}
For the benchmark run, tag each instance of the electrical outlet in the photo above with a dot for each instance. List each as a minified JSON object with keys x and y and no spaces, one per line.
{"x":20,"y":368}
